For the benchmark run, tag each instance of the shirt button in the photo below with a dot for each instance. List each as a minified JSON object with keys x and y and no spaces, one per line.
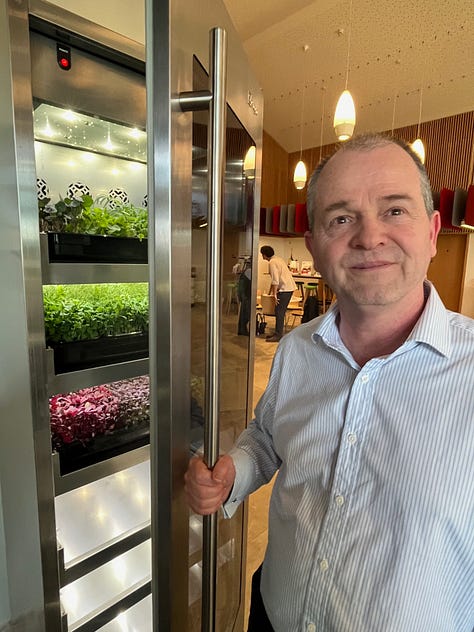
{"x":323,"y":565}
{"x":339,"y":500}
{"x":352,"y":437}
{"x":311,"y":627}
{"x":364,"y":378}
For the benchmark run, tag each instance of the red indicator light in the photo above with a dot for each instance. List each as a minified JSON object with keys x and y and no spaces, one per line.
{"x":63,"y":56}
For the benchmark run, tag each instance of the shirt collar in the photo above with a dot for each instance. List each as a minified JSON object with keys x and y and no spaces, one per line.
{"x":432,"y":328}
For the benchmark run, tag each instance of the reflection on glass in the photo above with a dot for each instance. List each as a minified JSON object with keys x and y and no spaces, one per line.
{"x":234,"y":362}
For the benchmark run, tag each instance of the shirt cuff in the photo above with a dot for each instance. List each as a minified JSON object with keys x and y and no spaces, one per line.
{"x":244,"y":478}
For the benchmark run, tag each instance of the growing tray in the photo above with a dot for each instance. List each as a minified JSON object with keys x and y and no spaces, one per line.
{"x":87,"y":354}
{"x":76,"y":248}
{"x":75,"y":456}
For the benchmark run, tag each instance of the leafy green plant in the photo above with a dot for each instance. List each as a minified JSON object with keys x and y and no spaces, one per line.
{"x":62,"y":216}
{"x":87,"y":312}
{"x":102,"y":216}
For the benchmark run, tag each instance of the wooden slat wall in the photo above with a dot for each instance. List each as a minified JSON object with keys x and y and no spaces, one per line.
{"x":274,"y":172}
{"x":449,"y":144}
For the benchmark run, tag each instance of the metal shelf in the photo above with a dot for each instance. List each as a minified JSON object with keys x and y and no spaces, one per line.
{"x":101,"y":617}
{"x":73,"y":381}
{"x":85,"y":273}
{"x":86,"y":475}
{"x":87,"y":563}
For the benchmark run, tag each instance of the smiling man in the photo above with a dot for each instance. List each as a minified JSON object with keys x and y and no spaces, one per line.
{"x":368,"y":419}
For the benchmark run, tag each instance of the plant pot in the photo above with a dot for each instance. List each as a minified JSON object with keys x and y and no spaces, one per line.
{"x":75,"y":456}
{"x":76,"y":248}
{"x":86,"y":354}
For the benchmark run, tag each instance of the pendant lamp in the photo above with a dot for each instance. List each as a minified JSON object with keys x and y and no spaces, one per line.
{"x":417,"y":145}
{"x":300,"y":175}
{"x":419,"y":149}
{"x":345,"y":116}
{"x":249,"y":163}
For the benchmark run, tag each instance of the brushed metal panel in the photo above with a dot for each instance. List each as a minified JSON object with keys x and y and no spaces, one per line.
{"x":91,"y":86}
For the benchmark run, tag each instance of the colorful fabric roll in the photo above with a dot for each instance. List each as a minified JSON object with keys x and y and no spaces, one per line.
{"x":459,"y":206}
{"x":283,"y":218}
{"x":446,"y":201}
{"x":268,"y":221}
{"x":290,"y":222}
{"x":469,"y":213}
{"x":276,"y":220}
{"x":301,"y":219}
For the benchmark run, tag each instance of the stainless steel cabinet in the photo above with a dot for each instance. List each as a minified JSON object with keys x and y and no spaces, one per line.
{"x":117,"y":546}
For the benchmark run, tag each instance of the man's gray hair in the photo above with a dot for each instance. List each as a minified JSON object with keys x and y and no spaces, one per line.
{"x":367,"y":142}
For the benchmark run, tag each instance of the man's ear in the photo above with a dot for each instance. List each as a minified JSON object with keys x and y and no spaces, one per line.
{"x":435,"y":227}
{"x":308,"y":242}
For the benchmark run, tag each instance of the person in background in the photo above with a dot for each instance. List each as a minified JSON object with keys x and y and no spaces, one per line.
{"x":368,"y":417}
{"x":244,"y":289}
{"x":282,"y":287}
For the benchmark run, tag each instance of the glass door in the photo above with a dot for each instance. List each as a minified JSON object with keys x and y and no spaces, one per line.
{"x":180,"y":83}
{"x":119,"y":548}
{"x":236,"y":293}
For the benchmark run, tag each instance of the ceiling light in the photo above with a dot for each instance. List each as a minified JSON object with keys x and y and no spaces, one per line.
{"x":47,"y":130}
{"x":69,"y":115}
{"x":419,"y":149}
{"x":108,"y":143}
{"x":417,"y":144}
{"x":344,"y":116}
{"x":299,"y":176}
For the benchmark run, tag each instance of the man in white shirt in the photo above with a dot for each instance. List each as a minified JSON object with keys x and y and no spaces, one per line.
{"x":282,"y":287}
{"x":368,"y":420}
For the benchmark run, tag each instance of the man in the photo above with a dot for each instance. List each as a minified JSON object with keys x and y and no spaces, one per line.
{"x":368,"y":418}
{"x":282,"y":287}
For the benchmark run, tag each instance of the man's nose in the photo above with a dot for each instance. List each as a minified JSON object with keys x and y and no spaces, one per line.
{"x":369,"y":233}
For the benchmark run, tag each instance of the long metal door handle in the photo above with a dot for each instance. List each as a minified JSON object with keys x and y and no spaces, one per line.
{"x":216,"y":167}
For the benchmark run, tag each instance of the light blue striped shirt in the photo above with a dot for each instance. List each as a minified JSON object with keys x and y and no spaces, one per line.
{"x":371,"y":522}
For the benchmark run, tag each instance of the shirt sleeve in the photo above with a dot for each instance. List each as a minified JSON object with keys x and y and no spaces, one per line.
{"x":274,"y":272}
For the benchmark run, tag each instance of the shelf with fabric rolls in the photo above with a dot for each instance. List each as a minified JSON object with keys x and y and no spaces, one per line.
{"x":456,"y":207}
{"x":283,"y":220}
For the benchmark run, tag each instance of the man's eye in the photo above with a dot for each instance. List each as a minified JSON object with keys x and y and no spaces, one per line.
{"x":396,"y":211}
{"x":341,"y":219}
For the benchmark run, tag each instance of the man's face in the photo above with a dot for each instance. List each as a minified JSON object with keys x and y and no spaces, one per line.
{"x":372,"y":239}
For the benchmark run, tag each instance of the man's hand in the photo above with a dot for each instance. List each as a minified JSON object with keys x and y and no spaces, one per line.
{"x":206,"y":489}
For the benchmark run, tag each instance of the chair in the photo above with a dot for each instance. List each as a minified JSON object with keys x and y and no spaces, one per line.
{"x":267,"y":301}
{"x":311,"y":289}
{"x":231,"y":297}
{"x":293,"y":314}
{"x":267,"y":305}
